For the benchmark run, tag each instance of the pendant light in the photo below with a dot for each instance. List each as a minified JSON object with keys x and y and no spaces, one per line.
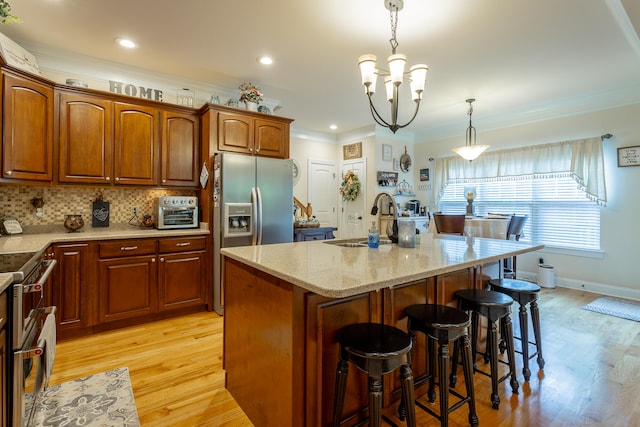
{"x":393,"y":76}
{"x":471,"y":150}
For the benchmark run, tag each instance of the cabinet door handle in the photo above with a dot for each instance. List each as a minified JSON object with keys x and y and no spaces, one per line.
{"x":153,"y":260}
{"x":128,"y":248}
{"x":108,"y":178}
{"x":183,"y":244}
{"x":117,"y":179}
{"x":161,"y":259}
{"x":9,"y":172}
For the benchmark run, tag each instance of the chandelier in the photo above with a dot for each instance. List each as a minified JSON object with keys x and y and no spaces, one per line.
{"x":470,"y":151}
{"x":393,"y":76}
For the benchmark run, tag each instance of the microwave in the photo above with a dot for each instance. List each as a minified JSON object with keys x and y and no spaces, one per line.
{"x":177,"y":212}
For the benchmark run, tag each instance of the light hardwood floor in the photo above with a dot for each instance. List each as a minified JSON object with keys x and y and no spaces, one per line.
{"x":591,"y":377}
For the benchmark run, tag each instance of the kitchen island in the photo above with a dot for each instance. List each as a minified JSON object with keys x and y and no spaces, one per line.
{"x":285,"y":302}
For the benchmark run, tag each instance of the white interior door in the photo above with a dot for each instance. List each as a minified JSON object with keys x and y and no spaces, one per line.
{"x":323,"y":191}
{"x":353,"y":213}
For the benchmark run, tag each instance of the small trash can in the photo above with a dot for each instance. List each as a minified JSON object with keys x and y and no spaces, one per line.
{"x":545,"y":276}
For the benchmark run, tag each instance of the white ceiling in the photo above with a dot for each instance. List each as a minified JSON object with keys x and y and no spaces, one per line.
{"x":522,"y":60}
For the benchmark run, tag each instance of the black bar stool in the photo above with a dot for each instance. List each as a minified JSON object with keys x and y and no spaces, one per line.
{"x":443,"y":325}
{"x":524,"y":293}
{"x":375,"y":349}
{"x":495,"y":307}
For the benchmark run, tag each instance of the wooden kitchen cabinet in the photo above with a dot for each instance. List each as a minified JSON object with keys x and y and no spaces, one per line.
{"x":85,"y":138}
{"x":248,"y":134}
{"x":73,"y":288}
{"x":136,"y":144}
{"x":4,"y":354}
{"x":127,"y":279}
{"x":181,"y":272}
{"x":180,"y":149}
{"x":27,"y":129}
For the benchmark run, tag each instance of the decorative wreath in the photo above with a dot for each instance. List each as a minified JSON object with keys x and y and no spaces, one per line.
{"x":350,"y":186}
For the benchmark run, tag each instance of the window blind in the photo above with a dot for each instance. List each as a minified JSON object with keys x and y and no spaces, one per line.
{"x":560,"y":213}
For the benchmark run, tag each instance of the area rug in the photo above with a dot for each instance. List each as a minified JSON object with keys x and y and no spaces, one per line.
{"x":624,"y":308}
{"x":101,"y":400}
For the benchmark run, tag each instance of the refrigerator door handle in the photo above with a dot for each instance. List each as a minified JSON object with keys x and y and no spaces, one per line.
{"x":254,"y":216}
{"x":259,"y":221}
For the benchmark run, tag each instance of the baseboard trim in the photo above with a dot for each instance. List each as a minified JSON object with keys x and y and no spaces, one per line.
{"x":583,"y":285}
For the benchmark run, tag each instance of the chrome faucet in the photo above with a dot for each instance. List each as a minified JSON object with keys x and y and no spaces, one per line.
{"x":392,"y":227}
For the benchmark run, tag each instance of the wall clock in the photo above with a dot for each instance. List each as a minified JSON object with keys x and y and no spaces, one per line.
{"x":295,"y":169}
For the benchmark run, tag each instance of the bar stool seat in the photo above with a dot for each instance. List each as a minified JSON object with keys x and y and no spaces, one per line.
{"x":495,"y":307}
{"x":375,"y":349}
{"x":443,"y":325}
{"x":524,"y":293}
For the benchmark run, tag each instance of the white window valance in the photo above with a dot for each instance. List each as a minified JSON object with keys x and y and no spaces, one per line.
{"x":581,"y":159}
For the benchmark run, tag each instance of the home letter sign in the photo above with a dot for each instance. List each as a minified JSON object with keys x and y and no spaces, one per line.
{"x":138,"y":91}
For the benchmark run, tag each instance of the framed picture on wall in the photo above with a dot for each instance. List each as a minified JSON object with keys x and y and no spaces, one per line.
{"x":629,"y":156}
{"x":352,"y":151}
{"x":424,"y":174}
{"x":386,"y":152}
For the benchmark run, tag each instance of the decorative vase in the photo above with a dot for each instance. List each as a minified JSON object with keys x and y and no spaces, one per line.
{"x":73,"y":222}
{"x":251,"y":106}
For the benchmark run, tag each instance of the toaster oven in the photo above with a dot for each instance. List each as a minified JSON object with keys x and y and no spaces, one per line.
{"x":177,"y":212}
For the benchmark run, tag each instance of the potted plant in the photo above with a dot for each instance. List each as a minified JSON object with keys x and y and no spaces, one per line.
{"x":5,"y":14}
{"x":251,"y":95}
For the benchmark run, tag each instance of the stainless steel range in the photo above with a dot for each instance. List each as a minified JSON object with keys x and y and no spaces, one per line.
{"x":27,"y":364}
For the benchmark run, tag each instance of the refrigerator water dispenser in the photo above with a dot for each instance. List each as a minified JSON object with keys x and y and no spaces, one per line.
{"x":238,"y":221}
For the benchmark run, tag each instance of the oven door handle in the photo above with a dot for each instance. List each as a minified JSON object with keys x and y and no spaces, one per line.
{"x":37,"y":287}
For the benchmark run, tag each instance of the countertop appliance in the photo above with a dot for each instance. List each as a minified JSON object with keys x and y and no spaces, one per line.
{"x":413,"y":206}
{"x":27,"y":336}
{"x":252,"y":205}
{"x":177,"y":212}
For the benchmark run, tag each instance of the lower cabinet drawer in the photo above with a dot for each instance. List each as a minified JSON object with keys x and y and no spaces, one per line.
{"x":120,"y":248}
{"x":182,"y":244}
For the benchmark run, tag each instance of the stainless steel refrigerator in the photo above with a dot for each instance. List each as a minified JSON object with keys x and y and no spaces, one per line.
{"x":252,"y":205}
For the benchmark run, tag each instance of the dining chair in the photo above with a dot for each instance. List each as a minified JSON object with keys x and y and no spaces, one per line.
{"x":515,"y":227}
{"x":449,"y":224}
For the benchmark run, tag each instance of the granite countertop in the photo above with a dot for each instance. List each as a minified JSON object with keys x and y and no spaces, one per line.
{"x":5,"y":281}
{"x":37,"y":238}
{"x":336,"y":272}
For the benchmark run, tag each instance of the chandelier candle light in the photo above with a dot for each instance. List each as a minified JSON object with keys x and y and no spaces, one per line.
{"x":470,"y":151}
{"x":392,"y":77}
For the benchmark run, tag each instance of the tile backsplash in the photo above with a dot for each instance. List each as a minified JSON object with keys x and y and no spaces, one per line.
{"x":59,"y":201}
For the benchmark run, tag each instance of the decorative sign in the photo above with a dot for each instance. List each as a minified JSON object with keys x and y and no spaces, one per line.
{"x":137,"y":91}
{"x":16,"y":55}
{"x":387,"y":179}
{"x":629,"y":156}
{"x":386,"y":152}
{"x":100,"y":214}
{"x":204,"y":176}
{"x":352,"y":151}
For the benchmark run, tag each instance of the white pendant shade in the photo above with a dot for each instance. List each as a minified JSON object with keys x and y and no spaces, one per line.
{"x":367,"y":64}
{"x":470,"y":152}
{"x":418,"y":79}
{"x":388,"y":85}
{"x":396,"y":67}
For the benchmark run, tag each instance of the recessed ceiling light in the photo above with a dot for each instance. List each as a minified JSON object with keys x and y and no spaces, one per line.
{"x":265,"y":60}
{"x":333,"y":127}
{"x":126,"y":43}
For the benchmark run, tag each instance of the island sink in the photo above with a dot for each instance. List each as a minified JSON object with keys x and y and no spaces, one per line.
{"x":355,"y":243}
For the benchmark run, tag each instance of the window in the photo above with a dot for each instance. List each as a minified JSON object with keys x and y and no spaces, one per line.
{"x":560,"y":214}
